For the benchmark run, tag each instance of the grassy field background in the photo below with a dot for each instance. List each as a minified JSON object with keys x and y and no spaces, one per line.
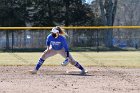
{"x":113,"y":59}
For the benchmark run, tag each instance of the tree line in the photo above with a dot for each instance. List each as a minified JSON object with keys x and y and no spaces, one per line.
{"x":55,"y":12}
{"x":59,"y":12}
{"x":45,"y":13}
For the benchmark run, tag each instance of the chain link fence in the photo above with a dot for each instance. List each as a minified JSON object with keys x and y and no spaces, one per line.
{"x":78,"y":39}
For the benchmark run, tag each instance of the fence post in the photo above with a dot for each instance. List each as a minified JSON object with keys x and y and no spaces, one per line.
{"x":97,"y":31}
{"x":12,"y":40}
{"x":7,"y":40}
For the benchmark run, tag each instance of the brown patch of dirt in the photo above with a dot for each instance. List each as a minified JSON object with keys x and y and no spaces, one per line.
{"x":54,"y":79}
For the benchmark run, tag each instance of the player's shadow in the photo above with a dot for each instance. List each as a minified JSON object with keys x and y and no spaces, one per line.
{"x":80,"y":74}
{"x":65,"y":73}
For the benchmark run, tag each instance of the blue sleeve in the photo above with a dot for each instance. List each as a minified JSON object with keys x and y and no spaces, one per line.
{"x":65,"y":45}
{"x":48,"y":41}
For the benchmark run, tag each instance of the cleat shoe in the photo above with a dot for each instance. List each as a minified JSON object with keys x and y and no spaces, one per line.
{"x":65,"y":63}
{"x":33,"y":71}
{"x":83,"y":72}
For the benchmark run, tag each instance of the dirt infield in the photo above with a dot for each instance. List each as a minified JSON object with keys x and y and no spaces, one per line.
{"x":54,"y":79}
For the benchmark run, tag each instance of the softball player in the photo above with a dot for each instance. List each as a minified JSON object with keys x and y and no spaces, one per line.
{"x":56,"y":44}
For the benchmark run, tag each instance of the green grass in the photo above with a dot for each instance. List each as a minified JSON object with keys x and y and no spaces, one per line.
{"x":113,"y":59}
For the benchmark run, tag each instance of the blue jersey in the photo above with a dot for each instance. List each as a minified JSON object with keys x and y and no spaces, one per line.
{"x":57,"y":43}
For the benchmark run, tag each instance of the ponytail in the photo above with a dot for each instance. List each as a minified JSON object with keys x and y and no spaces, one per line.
{"x":61,"y":31}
